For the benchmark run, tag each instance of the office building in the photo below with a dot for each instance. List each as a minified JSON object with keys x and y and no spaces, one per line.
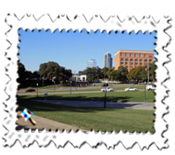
{"x":108,"y":60}
{"x":92,"y":63}
{"x":131,"y":59}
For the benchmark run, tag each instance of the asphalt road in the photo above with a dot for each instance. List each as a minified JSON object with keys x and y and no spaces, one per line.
{"x":79,"y":88}
{"x":82,"y":92}
{"x":100,"y":104}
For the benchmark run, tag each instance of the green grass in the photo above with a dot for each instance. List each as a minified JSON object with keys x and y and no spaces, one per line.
{"x":96,"y":89}
{"x":136,"y":96}
{"x":41,"y":87}
{"x":104,"y":119}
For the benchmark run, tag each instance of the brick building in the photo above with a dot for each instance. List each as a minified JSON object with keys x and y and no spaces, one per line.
{"x":131,"y":59}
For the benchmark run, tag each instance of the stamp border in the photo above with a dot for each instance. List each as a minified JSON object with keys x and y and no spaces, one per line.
{"x":79,"y":22}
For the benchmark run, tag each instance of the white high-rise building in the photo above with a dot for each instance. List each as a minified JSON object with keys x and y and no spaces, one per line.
{"x":108,"y":60}
{"x":92,"y":63}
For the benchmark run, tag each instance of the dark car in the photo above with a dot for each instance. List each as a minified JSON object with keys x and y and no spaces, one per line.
{"x":104,"y":85}
{"x":30,"y":90}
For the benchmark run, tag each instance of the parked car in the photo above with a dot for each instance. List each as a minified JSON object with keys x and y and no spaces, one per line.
{"x":131,"y":89}
{"x":150,"y":87}
{"x":107,"y":89}
{"x":104,"y":85}
{"x":30,"y":90}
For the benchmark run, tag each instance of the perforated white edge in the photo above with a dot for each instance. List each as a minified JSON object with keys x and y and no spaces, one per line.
{"x":80,"y":22}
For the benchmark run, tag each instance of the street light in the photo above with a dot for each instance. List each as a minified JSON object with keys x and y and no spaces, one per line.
{"x":37,"y":90}
{"x":145,"y":92}
{"x":105,"y":95}
{"x":54,"y":85}
{"x":70,"y":86}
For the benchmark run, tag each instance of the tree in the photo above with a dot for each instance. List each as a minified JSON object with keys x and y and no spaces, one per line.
{"x":104,"y":72}
{"x":137,"y":73}
{"x":152,"y":68}
{"x":52,"y":69}
{"x":131,"y":74}
{"x":21,"y":73}
{"x":143,"y":73}
{"x":122,"y":73}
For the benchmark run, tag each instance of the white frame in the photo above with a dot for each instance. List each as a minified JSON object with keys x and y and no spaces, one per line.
{"x":92,"y":138}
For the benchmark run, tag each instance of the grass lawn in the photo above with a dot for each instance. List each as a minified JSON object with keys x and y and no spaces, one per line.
{"x":136,"y":96}
{"x":104,"y":119}
{"x":73,"y":89}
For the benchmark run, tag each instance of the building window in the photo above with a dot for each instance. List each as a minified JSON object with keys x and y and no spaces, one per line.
{"x":122,"y":54}
{"x":136,"y":63}
{"x":132,"y":55}
{"x":136,"y":66}
{"x":131,"y":66}
{"x":121,"y":59}
{"x":126,"y":66}
{"x":131,"y":59}
{"x":146,"y":55}
{"x":126,"y":59}
{"x":121,"y":62}
{"x":127,"y":55}
{"x":145,"y":60}
{"x":140,"y":63}
{"x":131,"y":63}
{"x":140,"y":59}
{"x":150,"y":60}
{"x":136,"y":55}
{"x":150,"y":55}
{"x":141,"y":55}
{"x":145,"y":63}
{"x":126,"y":63}
{"x":136,"y":59}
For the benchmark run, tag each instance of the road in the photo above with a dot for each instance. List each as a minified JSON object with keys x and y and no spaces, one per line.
{"x":78,"y":88}
{"x":100,"y":104}
{"x":79,"y":92}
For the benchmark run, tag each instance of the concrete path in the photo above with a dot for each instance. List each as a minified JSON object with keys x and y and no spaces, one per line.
{"x":78,"y":92}
{"x":79,"y":88}
{"x":44,"y":123}
{"x":100,"y":104}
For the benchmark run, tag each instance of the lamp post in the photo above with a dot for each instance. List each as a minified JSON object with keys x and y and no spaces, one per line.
{"x":54,"y":85}
{"x":145,"y":92}
{"x":37,"y":90}
{"x":43,"y":82}
{"x":76,"y":84}
{"x":105,"y":95}
{"x":70,"y":86}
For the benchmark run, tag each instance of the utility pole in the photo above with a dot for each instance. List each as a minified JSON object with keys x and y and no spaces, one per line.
{"x":148,"y":72}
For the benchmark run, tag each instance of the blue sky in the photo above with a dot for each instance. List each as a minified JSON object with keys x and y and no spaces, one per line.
{"x":73,"y":50}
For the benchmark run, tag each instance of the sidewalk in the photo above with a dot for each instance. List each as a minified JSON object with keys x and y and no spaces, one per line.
{"x":43,"y":123}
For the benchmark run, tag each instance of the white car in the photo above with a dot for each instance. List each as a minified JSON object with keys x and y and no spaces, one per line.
{"x":131,"y":89}
{"x":150,"y":87}
{"x":107,"y":89}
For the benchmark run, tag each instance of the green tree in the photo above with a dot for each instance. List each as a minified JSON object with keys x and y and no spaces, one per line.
{"x":131,"y":74}
{"x":152,"y":68}
{"x":109,"y":74}
{"x":52,"y":69}
{"x":143,"y":73}
{"x":21,"y":73}
{"x":104,"y":72}
{"x":122,"y":73}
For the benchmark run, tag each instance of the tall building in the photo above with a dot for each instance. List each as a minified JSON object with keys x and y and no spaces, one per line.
{"x":131,"y":59}
{"x":92,"y":63}
{"x":108,"y":60}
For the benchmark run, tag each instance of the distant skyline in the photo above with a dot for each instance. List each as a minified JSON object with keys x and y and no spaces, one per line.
{"x":72,"y":50}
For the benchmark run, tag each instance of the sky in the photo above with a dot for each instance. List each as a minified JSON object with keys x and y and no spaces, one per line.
{"x":72,"y":50}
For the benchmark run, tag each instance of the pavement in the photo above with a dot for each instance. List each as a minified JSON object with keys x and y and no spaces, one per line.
{"x":78,"y":92}
{"x":44,"y":123}
{"x":79,"y":88}
{"x":100,"y":104}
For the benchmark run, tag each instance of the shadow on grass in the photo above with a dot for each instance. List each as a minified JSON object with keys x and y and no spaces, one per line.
{"x":46,"y":107}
